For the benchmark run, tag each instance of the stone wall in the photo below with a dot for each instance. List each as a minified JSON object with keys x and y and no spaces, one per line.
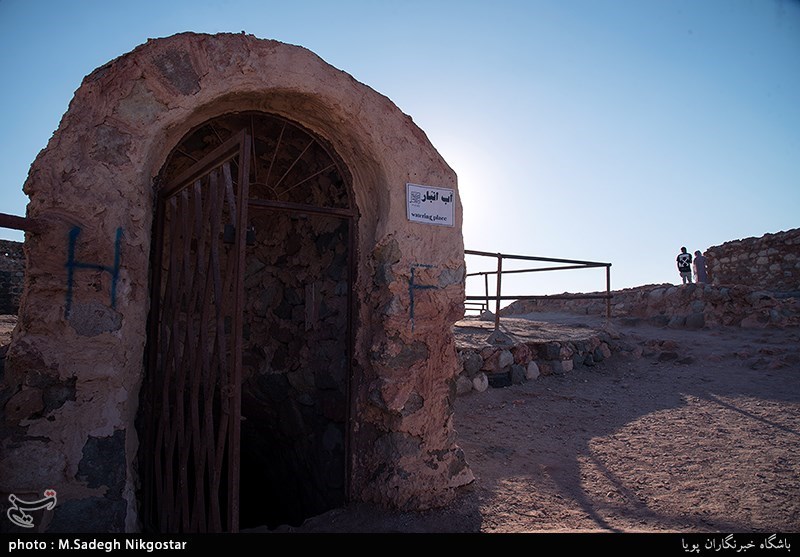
{"x":522,"y":360}
{"x":12,"y":276}
{"x":690,"y":306}
{"x":755,"y":283}
{"x":294,"y":394}
{"x":770,"y":262}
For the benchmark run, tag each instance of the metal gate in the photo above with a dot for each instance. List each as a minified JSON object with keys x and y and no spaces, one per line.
{"x":191,"y":408}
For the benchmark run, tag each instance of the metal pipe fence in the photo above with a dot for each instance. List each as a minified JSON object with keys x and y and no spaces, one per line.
{"x":482,"y":303}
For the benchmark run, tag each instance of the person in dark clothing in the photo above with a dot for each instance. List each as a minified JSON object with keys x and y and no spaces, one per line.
{"x":684,"y":260}
{"x":700,"y":268}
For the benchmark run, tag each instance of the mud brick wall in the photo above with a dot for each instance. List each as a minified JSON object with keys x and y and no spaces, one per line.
{"x":12,"y":276}
{"x":770,"y":262}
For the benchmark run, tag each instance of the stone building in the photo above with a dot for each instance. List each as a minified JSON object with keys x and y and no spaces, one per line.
{"x":230,"y":318}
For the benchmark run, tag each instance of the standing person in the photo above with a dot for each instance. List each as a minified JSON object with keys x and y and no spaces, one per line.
{"x":700,"y":268}
{"x":684,"y":260}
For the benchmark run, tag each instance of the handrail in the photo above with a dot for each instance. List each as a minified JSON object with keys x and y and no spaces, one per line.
{"x":499,"y":272}
{"x":15,"y":222}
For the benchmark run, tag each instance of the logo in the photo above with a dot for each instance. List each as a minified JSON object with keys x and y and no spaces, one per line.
{"x":16,"y":513}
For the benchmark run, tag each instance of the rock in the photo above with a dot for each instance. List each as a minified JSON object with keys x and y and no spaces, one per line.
{"x":472,"y":362}
{"x":695,"y":321}
{"x":659,"y":321}
{"x":756,"y":321}
{"x":498,"y":362}
{"x":655,"y":295}
{"x":602,"y":352}
{"x":669,"y":345}
{"x":24,"y":404}
{"x":676,"y":322}
{"x":480,"y":382}
{"x":499,"y":338}
{"x":522,"y":354}
{"x":776,"y":318}
{"x":544,"y":368}
{"x":532,"y":371}
{"x":518,"y":373}
{"x":463,"y":385}
{"x":505,"y":359}
{"x":698,"y":306}
{"x":559,"y":367}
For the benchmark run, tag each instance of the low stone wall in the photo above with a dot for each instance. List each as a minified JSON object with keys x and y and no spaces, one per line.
{"x":524,"y":358}
{"x":12,"y":276}
{"x":755,"y":283}
{"x":690,"y":306}
{"x":770,"y":262}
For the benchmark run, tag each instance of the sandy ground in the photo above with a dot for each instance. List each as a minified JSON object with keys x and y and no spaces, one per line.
{"x":683,"y":431}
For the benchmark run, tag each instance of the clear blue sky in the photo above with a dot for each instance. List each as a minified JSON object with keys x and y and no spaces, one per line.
{"x":606,"y":130}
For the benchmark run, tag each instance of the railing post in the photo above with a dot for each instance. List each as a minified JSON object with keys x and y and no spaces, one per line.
{"x":497,"y":301}
{"x":608,"y":291}
{"x":486,"y":287}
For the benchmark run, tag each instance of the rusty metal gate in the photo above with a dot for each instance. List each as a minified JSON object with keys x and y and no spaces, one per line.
{"x":191,"y":405}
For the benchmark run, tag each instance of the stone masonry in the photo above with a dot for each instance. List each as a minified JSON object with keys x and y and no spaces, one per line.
{"x":12,"y":276}
{"x":690,"y":306}
{"x":770,"y":262}
{"x":529,"y":349}
{"x":755,"y":284}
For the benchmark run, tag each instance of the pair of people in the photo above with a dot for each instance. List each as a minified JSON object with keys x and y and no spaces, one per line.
{"x":686,"y":264}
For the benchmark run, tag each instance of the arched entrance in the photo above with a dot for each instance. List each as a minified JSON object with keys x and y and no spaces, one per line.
{"x":251,"y":331}
{"x":246,"y":400}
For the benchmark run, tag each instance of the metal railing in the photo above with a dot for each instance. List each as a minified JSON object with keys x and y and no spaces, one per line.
{"x":14,"y":222}
{"x":481,"y":303}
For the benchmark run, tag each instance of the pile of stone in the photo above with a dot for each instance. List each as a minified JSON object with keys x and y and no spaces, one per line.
{"x":517,"y":361}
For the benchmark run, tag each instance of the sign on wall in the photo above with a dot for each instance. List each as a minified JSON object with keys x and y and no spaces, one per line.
{"x":430,"y":205}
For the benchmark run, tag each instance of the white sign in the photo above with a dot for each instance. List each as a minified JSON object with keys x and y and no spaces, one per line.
{"x":430,"y":205}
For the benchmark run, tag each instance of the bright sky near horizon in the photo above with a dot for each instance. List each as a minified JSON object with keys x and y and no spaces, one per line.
{"x":604,"y":130}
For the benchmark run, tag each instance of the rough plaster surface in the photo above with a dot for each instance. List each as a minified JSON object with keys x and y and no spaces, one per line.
{"x":83,"y":323}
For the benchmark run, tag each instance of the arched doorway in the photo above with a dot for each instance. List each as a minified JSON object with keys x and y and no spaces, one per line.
{"x":246,"y":400}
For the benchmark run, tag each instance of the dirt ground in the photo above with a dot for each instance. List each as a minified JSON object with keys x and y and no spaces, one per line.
{"x":682,"y":431}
